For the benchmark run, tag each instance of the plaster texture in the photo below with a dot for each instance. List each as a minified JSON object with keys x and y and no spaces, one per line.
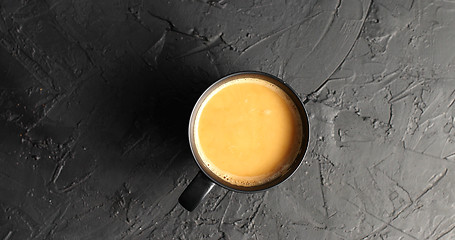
{"x":95,"y":98}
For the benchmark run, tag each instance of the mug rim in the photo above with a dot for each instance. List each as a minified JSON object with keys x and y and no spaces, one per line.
{"x":202,"y":98}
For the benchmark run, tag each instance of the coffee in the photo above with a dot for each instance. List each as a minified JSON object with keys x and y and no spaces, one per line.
{"x":248,"y":131}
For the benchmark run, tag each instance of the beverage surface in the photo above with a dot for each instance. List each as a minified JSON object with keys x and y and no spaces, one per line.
{"x":248,"y":131}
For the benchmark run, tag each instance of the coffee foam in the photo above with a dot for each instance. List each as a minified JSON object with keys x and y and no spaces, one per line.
{"x":242,"y":180}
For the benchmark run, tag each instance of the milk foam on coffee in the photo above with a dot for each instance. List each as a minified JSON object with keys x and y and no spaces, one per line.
{"x":248,"y":131}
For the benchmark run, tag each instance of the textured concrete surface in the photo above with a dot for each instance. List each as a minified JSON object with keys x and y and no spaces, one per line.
{"x":95,"y":97}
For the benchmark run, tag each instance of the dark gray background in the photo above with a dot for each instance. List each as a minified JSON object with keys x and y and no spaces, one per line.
{"x":95,"y":98}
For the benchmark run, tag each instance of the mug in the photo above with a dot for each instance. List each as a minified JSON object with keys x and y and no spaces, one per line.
{"x":205,"y":180}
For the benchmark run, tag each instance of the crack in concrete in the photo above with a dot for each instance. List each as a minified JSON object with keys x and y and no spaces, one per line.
{"x":445,"y":232}
{"x":173,"y":28}
{"x":434,"y":229}
{"x":433,"y":183}
{"x":321,"y":186}
{"x":275,"y":34}
{"x":225,"y":211}
{"x":386,"y":223}
{"x":347,"y":54}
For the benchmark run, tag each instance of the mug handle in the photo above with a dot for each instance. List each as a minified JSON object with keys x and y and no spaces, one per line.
{"x":196,"y":191}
